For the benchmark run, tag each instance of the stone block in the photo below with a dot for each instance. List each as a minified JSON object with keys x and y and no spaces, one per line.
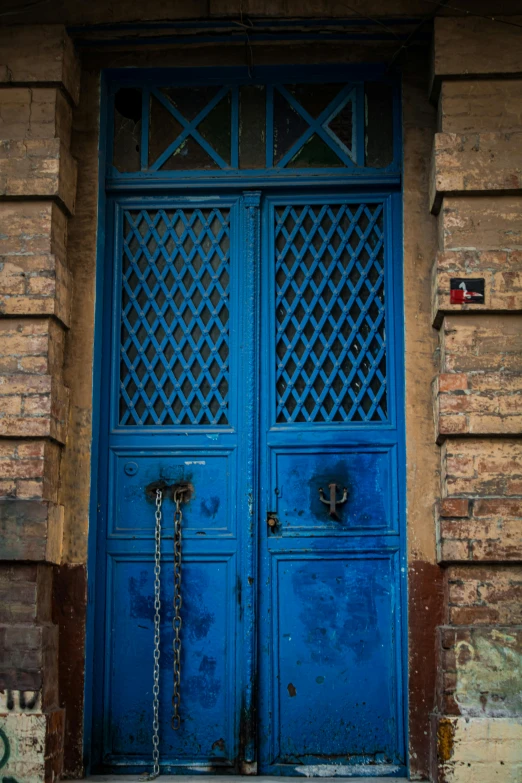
{"x":40,"y":54}
{"x":478,"y":750}
{"x":41,"y":168}
{"x":32,"y":530}
{"x":482,"y":467}
{"x":473,"y":46}
{"x":475,"y":163}
{"x":485,"y":223}
{"x":483,"y":404}
{"x":35,"y":113}
{"x":29,"y":469}
{"x":490,"y":531}
{"x":473,"y":106}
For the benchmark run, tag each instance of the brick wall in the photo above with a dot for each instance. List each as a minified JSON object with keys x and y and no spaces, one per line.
{"x":39,"y":83}
{"x":476,"y":191}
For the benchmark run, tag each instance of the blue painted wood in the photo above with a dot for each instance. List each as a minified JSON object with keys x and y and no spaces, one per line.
{"x":300,"y":664}
{"x":351,"y":90}
{"x":203,"y":451}
{"x":331,"y":604}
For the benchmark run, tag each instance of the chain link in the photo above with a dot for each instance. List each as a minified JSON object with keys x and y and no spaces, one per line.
{"x":176,"y":625}
{"x":176,"y":617}
{"x":157,"y":621}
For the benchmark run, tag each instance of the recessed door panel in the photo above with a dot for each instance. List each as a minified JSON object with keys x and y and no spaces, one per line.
{"x":363,"y":491}
{"x":207,"y":510}
{"x":208,"y":660}
{"x":335,"y":658}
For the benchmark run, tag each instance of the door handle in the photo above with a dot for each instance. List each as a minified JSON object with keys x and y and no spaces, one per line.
{"x":332,"y":501}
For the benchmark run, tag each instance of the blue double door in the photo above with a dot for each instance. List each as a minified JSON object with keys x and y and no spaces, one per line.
{"x":251,"y":352}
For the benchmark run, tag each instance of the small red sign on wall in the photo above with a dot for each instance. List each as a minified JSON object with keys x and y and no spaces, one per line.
{"x":467,"y":290}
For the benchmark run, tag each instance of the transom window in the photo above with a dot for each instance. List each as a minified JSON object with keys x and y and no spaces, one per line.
{"x":170,"y":130}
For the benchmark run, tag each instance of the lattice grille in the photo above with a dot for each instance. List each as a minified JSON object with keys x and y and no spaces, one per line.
{"x":175,"y":317}
{"x":330,"y":344}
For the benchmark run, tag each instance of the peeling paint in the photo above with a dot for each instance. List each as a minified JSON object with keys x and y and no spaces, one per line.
{"x":445,"y":737}
{"x":489,"y":677}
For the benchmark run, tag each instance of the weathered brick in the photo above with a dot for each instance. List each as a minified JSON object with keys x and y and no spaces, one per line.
{"x":28,"y":662}
{"x":33,"y":399}
{"x":502,"y":273}
{"x":40,"y":53}
{"x":32,"y":228}
{"x":485,"y":223}
{"x":477,"y":750}
{"x":32,"y":347}
{"x":480,"y":105}
{"x":34,"y":277}
{"x":35,"y":113}
{"x":38,"y":167}
{"x":484,"y":595}
{"x":475,"y":163}
{"x":478,"y":467}
{"x":473,"y":46}
{"x":32,"y":530}
{"x":489,"y":405}
{"x":449,"y":382}
{"x":494,"y":539}
{"x":34,"y":468}
{"x":25,"y":593}
{"x":33,"y":415}
{"x":454,"y":507}
{"x":485,"y":344}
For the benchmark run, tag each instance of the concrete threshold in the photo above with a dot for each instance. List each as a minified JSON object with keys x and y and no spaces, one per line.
{"x":238,"y":778}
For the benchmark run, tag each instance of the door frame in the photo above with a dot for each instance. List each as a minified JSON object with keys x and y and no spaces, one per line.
{"x":364,"y":185}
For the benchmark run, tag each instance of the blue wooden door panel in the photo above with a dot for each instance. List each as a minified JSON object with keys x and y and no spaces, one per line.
{"x":209,"y":511}
{"x":330,"y":583}
{"x":175,"y":360}
{"x":208,"y":660}
{"x":334,"y":655}
{"x":366,"y":473}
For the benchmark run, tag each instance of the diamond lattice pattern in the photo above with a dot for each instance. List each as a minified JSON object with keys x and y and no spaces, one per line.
{"x":175,"y":317}
{"x":330,"y":314}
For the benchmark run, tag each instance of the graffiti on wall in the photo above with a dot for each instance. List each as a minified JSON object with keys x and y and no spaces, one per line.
{"x":20,"y":701}
{"x":489,"y":675}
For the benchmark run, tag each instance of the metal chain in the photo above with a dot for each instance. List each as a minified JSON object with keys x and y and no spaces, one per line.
{"x":157,"y":621}
{"x":176,"y":618}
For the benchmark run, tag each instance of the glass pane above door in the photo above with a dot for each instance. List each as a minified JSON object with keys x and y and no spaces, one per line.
{"x":169,"y":130}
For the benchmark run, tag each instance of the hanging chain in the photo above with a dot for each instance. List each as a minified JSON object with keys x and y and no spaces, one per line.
{"x":176,"y":618}
{"x":176,"y":625}
{"x":157,"y":620}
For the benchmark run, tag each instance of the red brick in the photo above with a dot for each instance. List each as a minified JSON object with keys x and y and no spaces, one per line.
{"x":454,"y":507}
